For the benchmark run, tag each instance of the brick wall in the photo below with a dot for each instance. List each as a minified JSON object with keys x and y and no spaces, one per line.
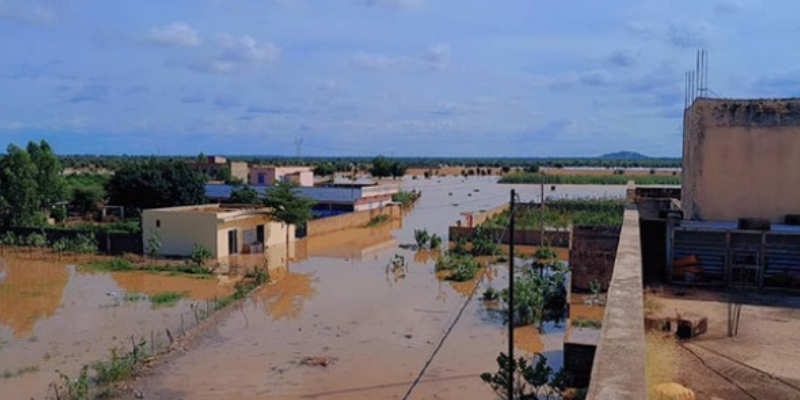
{"x":592,"y":255}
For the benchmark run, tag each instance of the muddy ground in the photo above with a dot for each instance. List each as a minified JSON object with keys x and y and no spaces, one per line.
{"x":761,"y":362}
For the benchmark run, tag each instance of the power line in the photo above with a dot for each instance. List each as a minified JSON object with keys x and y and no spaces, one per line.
{"x":450,"y":328}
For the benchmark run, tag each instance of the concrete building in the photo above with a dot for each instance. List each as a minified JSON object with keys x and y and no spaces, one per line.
{"x":213,"y":165}
{"x":741,"y":159}
{"x":267,"y":175}
{"x":223,"y":230}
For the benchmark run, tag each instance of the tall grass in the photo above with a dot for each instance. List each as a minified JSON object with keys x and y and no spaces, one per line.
{"x":538,"y":178}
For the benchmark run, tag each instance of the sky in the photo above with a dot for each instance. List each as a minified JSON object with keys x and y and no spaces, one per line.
{"x":474,"y":78}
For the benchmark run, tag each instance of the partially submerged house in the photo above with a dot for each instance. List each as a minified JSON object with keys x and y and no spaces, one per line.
{"x":223,"y":230}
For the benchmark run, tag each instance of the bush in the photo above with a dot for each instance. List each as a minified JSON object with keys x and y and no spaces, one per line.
{"x":461,"y":267}
{"x":200,"y":255}
{"x":435,"y":242}
{"x":421,"y":236}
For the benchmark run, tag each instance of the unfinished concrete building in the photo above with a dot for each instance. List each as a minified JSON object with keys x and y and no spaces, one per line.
{"x":740,"y":200}
{"x":741,"y":159}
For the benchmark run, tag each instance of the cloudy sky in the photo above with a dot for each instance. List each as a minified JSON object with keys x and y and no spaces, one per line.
{"x":367,"y":77}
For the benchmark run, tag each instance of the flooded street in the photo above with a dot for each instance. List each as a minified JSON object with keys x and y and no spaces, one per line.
{"x":53,"y":317}
{"x":375,"y":329}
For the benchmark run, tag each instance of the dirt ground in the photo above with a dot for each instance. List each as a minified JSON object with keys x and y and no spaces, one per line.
{"x":761,"y":362}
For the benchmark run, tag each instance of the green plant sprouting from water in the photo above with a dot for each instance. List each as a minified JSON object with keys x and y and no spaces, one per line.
{"x":532,"y":380}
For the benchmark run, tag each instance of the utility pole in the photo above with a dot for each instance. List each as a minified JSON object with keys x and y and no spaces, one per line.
{"x":512,"y":362}
{"x":541,"y":237}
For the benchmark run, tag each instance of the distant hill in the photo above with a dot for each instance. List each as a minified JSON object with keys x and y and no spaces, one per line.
{"x":624,"y":155}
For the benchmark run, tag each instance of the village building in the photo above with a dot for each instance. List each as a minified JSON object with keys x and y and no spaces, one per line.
{"x":223,"y":230}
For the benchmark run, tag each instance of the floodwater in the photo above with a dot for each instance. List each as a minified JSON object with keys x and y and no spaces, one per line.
{"x":375,"y":326}
{"x":53,"y":317}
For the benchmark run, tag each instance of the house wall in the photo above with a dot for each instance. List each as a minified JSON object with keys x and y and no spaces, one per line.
{"x":741,"y":159}
{"x":179,"y":231}
{"x":301,"y":175}
{"x":350,"y":220}
{"x":240,"y":170}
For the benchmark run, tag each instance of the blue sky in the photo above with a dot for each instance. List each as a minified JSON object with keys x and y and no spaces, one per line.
{"x":368,"y":77}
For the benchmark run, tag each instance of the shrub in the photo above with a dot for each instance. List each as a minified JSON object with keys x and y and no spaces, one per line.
{"x":435,"y":242}
{"x":200,"y":255}
{"x":421,"y":236}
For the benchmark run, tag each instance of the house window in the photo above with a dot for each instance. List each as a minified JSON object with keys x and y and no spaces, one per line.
{"x":158,"y":223}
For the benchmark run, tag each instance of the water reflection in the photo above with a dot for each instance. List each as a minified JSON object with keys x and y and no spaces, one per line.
{"x":352,"y":244}
{"x":284,"y":298}
{"x":31,"y":291}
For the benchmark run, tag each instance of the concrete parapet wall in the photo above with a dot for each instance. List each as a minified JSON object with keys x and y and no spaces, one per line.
{"x":619,"y":366}
{"x":352,"y":220}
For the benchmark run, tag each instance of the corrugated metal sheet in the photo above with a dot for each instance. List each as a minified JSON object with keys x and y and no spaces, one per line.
{"x":709,"y":247}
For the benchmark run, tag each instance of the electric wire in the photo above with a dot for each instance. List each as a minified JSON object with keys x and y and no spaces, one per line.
{"x":450,"y":328}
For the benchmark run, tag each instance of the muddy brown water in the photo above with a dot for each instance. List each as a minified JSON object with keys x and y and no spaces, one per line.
{"x":53,"y":317}
{"x":337,"y":300}
{"x":377,"y":327}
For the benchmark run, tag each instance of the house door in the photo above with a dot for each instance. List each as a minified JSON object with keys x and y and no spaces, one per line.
{"x":260,"y":234}
{"x":233,"y":241}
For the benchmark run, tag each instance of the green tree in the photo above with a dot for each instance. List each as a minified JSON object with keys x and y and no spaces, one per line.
{"x":19,"y":194}
{"x":324,"y":169}
{"x":51,"y":184}
{"x":224,"y":173}
{"x":245,"y":195}
{"x":381,"y":167}
{"x":398,"y":169}
{"x":86,"y":197}
{"x":288,"y":206}
{"x":155,"y":184}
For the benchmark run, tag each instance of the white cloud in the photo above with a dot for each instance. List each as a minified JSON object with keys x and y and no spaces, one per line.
{"x":232,"y":55}
{"x":245,"y":49}
{"x":179,"y":34}
{"x":437,"y":57}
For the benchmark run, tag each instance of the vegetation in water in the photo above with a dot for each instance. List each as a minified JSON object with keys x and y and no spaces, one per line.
{"x":405,"y":198}
{"x":166,"y":299}
{"x":121,"y":265}
{"x":532,"y":381}
{"x":200,"y":255}
{"x":617,"y":179}
{"x":421,"y":236}
{"x":539,"y":296}
{"x":587,"y":323}
{"x":459,"y":267}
